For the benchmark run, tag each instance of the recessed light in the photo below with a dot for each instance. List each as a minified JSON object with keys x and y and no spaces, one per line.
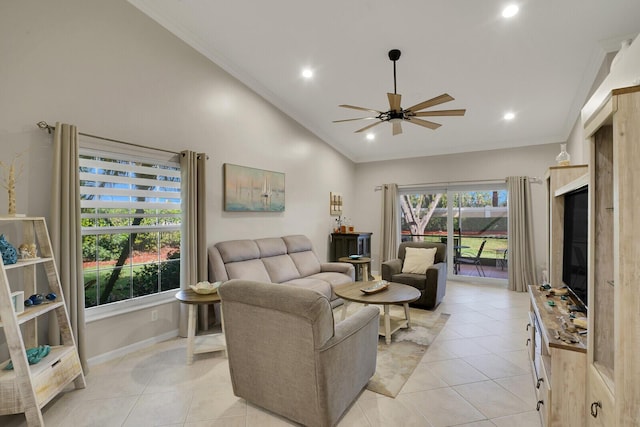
{"x":371,"y":136}
{"x":510,"y":11}
{"x":307,"y":73}
{"x":509,"y":116}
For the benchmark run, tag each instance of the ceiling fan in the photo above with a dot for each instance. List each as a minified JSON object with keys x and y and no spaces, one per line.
{"x":396,"y":114}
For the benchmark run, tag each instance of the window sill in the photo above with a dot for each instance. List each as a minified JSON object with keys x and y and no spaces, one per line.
{"x":94,"y":314}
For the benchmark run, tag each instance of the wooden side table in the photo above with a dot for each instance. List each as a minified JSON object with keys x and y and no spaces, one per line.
{"x":202,"y":343}
{"x":362,"y":265}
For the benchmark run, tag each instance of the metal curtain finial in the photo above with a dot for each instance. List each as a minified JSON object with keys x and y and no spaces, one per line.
{"x":43,"y":125}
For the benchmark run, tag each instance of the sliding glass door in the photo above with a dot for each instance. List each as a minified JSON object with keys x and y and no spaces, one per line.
{"x":481,"y":232}
{"x":472,"y":220}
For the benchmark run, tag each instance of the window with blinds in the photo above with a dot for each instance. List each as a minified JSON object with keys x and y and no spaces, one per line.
{"x":131,"y":217}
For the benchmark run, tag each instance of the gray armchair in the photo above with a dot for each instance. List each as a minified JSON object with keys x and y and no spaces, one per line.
{"x":432,"y":285}
{"x":286,"y":356}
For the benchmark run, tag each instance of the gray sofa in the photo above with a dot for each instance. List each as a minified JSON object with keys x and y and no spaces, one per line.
{"x":432,"y":285}
{"x":288,"y":259}
{"x":286,"y":355}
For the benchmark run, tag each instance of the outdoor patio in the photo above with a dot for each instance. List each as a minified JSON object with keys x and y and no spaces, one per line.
{"x":489,"y":271}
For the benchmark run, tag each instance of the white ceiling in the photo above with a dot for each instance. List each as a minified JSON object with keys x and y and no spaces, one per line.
{"x":540,"y":64}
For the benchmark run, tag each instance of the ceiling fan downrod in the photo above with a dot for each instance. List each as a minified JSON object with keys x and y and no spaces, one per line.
{"x":394,"y":55}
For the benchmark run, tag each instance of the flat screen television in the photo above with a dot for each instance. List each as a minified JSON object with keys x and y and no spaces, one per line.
{"x":574,"y":255}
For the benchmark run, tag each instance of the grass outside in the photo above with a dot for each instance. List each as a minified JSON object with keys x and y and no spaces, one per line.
{"x":489,"y":250}
{"x":121,"y":289}
{"x":474,"y":242}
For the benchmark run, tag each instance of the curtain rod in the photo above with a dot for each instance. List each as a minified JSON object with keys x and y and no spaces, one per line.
{"x":532,"y":179}
{"x":43,"y":125}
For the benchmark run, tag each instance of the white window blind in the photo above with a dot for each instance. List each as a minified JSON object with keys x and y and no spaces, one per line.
{"x":112,"y":181}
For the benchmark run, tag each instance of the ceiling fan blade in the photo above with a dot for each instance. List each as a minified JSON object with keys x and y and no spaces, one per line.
{"x":394,"y":101}
{"x":368,"y":127}
{"x":353,"y":107}
{"x":439,"y":113}
{"x":445,"y":97}
{"x":350,"y":120}
{"x":397,"y":128}
{"x":424,"y":123}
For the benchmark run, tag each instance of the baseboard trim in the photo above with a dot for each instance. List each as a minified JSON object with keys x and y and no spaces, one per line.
{"x":123,"y":351}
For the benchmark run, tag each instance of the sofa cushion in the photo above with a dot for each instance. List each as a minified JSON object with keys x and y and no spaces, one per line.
{"x":314,"y":284}
{"x":280,"y":268}
{"x":306,"y":262}
{"x":271,"y":246}
{"x":238,"y":250}
{"x":252,"y":269}
{"x":297,"y":243}
{"x":332,"y":278}
{"x":441,"y":253}
{"x":417,"y":260}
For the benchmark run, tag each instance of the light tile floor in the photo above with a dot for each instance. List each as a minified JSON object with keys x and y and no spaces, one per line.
{"x":476,"y":374}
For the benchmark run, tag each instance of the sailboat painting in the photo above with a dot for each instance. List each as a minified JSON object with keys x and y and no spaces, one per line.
{"x":252,"y":190}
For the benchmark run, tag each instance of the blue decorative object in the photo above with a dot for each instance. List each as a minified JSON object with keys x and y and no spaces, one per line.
{"x":34,"y":355}
{"x":51,"y":296}
{"x":28,"y":302}
{"x":9,"y":253}
{"x":37,"y":299}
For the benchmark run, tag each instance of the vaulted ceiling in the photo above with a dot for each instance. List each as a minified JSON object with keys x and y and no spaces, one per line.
{"x":540,"y":64}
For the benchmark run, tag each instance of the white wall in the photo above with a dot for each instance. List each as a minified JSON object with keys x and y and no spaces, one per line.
{"x":109,"y":69}
{"x":496,"y":164}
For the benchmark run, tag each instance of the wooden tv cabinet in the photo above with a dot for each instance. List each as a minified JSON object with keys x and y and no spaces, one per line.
{"x":558,"y":368}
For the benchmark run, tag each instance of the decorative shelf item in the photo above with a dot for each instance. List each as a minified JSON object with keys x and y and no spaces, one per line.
{"x":563,"y":159}
{"x":205,"y":288}
{"x":9,"y":178}
{"x":9,"y":253}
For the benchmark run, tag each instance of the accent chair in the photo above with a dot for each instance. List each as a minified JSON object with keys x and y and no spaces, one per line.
{"x":287,"y":356}
{"x":431,"y":284}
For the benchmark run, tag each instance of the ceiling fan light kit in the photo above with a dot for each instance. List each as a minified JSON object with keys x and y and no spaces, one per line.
{"x":396,"y":114}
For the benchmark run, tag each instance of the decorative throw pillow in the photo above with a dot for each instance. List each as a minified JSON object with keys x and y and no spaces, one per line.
{"x":417,"y":260}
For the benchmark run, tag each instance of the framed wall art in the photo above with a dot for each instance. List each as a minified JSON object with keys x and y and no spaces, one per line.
{"x":252,"y":190}
{"x":335,"y":204}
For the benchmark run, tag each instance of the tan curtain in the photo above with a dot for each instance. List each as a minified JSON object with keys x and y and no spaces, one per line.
{"x":521,"y":245}
{"x":193,"y":254}
{"x":64,"y":228}
{"x":390,"y":219}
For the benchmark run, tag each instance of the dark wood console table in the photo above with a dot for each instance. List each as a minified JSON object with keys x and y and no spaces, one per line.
{"x":345,"y":244}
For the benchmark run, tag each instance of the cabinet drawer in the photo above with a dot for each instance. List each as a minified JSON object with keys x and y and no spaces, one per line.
{"x":531,"y":329}
{"x":49,"y":377}
{"x":543,"y":404}
{"x":55,"y":375}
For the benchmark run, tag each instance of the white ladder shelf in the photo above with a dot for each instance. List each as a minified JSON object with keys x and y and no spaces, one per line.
{"x":27,"y":388}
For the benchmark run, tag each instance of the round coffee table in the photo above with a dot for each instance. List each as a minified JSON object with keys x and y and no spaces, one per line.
{"x":396,"y":293}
